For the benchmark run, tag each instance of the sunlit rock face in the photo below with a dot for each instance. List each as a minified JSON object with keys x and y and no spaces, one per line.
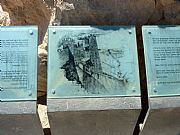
{"x":92,"y":12}
{"x":28,"y":12}
{"x":4,"y":18}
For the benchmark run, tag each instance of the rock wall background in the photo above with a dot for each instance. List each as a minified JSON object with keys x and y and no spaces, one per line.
{"x":28,"y":12}
{"x":118,"y":12}
{"x":87,"y":12}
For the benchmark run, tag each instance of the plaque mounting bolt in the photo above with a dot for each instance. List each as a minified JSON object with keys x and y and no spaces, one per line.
{"x":133,"y":89}
{"x":30,"y":94}
{"x":149,"y":32}
{"x":54,"y":31}
{"x":155,"y":90}
{"x":53,"y":92}
{"x":130,"y":31}
{"x":30,"y":32}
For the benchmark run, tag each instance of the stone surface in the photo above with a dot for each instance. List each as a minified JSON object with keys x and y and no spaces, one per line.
{"x":167,"y":2}
{"x":42,"y":78}
{"x":172,"y":13}
{"x":4,"y":17}
{"x":104,"y":12}
{"x":124,"y":12}
{"x":28,"y":12}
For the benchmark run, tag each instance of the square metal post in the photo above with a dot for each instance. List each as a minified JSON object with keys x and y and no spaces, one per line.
{"x":162,"y":44}
{"x":93,"y":80}
{"x":18,"y":81}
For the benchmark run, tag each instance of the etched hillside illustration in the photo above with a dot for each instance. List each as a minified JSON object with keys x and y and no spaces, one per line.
{"x":90,"y":64}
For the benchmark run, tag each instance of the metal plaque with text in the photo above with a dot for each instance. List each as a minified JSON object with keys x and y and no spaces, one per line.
{"x":162,"y":53}
{"x":18,"y":63}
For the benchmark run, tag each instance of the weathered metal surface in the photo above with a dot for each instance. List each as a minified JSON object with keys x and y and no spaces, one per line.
{"x":86,"y":61}
{"x":18,"y":81}
{"x":20,"y":124}
{"x":113,"y":116}
{"x":164,"y":117}
{"x":164,"y":102}
{"x":19,"y":118}
{"x":55,"y":105}
{"x":112,"y":122}
{"x":23,"y":107}
{"x":99,"y":64}
{"x":162,"y":53}
{"x":18,"y":60}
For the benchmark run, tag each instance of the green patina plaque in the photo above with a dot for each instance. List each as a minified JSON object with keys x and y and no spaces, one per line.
{"x":18,"y":63}
{"x":162,"y":53}
{"x":91,"y":61}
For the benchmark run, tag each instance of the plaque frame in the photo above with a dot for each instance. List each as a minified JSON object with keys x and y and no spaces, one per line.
{"x":56,"y":33}
{"x":28,"y":34}
{"x":162,"y":117}
{"x":162,"y":31}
